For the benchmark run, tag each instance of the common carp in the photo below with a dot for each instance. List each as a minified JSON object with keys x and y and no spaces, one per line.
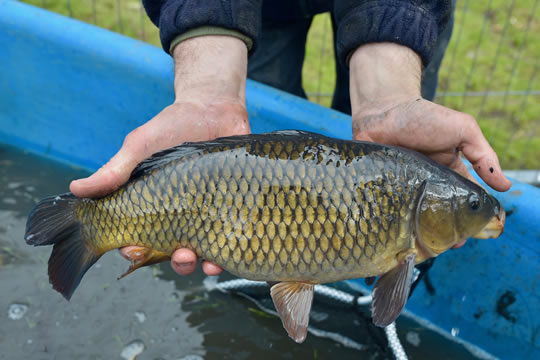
{"x":292,"y":208}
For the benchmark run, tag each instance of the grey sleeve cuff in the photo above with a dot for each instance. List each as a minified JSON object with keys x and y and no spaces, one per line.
{"x":210,"y":30}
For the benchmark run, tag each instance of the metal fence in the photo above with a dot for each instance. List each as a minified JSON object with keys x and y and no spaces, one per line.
{"x":490,"y":69}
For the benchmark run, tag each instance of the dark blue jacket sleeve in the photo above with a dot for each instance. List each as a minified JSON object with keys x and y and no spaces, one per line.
{"x":416,"y":24}
{"x":174,"y":17}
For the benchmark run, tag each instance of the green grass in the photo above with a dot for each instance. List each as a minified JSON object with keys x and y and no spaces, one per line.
{"x":511,"y":123}
{"x":319,"y":74}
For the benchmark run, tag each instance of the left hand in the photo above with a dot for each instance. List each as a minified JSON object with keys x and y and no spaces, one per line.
{"x":436,"y":131}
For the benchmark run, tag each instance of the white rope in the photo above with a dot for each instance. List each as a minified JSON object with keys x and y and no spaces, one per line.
{"x":394,"y":343}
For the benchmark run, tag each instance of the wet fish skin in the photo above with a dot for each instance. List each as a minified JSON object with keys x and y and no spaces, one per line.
{"x":289,"y":207}
{"x":312,"y":209}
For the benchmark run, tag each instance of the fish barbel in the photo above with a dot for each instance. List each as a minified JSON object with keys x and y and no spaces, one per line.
{"x":290,"y":207}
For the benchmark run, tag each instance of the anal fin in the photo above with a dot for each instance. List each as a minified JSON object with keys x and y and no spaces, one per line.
{"x":293,"y":303}
{"x":141,"y":256}
{"x":391,"y":292}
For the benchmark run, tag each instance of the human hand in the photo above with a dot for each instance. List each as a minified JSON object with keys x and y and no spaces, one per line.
{"x":210,"y":103}
{"x":387,"y":108}
{"x":441,"y":133}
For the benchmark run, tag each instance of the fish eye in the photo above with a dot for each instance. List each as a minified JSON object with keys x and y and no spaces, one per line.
{"x":474,"y":202}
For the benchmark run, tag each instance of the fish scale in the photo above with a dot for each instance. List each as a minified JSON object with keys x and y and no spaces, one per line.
{"x":264,"y":209}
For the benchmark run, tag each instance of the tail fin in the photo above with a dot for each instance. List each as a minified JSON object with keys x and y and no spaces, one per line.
{"x":53,"y":222}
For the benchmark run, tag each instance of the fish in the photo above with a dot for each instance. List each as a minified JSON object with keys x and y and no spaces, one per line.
{"x":291,"y":208}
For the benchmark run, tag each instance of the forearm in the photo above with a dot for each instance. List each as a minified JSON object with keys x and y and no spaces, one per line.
{"x":383,"y":75}
{"x":212,"y":68}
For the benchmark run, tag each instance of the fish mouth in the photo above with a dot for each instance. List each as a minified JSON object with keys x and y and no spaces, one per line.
{"x":494,"y":227}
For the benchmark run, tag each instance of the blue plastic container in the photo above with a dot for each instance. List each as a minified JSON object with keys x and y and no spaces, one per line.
{"x":72,"y":91}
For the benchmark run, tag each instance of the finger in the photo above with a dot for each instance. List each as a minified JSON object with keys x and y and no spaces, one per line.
{"x":483,"y":158}
{"x":113,"y":174}
{"x":359,"y":135}
{"x":211,"y":269}
{"x":128,"y":251}
{"x":184,"y":261}
{"x":460,"y":167}
{"x":460,"y":244}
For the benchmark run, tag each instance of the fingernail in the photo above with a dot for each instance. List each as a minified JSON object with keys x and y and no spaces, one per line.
{"x":185,"y":265}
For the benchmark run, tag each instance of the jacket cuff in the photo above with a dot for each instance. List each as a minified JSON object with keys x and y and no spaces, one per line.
{"x":210,"y":30}
{"x":179,"y":17}
{"x":398,"y":22}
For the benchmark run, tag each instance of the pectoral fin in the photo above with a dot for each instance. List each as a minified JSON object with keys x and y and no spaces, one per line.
{"x":391,"y":292}
{"x":293,"y":303}
{"x":141,"y":256}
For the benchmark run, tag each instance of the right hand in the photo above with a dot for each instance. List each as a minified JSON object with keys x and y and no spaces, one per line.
{"x":210,"y":103}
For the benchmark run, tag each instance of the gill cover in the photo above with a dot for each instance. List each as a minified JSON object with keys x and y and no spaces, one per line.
{"x":451,"y":210}
{"x":435,"y":223}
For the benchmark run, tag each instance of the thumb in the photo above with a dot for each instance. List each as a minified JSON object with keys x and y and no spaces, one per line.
{"x":113,"y":174}
{"x":483,"y":158}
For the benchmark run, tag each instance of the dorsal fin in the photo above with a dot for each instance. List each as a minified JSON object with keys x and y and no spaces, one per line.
{"x":164,"y":157}
{"x":190,"y":148}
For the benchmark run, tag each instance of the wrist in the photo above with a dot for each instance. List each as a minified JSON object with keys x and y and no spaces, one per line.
{"x":210,"y":68}
{"x":383,"y":75}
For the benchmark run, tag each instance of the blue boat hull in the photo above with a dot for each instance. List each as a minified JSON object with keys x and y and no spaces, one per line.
{"x":72,"y":91}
